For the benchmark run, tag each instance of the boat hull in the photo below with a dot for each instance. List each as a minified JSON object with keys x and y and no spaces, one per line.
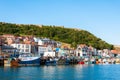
{"x":28,"y":62}
{"x":32,"y":62}
{"x":51,"y":63}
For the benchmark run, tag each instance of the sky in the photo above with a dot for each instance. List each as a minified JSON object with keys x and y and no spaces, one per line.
{"x":100,"y":17}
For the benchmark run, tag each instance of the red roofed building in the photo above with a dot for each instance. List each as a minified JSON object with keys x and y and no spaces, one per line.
{"x":114,"y":51}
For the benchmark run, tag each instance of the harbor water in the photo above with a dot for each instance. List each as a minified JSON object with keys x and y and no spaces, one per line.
{"x":62,"y":72}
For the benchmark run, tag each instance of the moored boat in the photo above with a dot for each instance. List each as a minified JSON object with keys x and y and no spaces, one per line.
{"x":27,"y":60}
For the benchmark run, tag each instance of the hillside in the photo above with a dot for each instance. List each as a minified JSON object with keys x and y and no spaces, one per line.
{"x":66,"y":35}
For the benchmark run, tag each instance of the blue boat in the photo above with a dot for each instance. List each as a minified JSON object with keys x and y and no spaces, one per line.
{"x":28,"y":60}
{"x":51,"y":63}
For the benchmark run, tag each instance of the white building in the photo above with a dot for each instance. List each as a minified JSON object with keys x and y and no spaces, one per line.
{"x":84,"y":51}
{"x":23,"y":48}
{"x":40,"y":42}
{"x":81,"y":51}
{"x":49,"y":54}
{"x":43,"y":50}
{"x":43,"y":41}
{"x":36,"y":39}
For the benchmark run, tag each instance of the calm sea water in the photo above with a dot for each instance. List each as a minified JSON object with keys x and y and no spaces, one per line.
{"x":70,"y":72}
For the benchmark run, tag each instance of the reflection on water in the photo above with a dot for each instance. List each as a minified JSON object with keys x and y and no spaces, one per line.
{"x":69,"y":72}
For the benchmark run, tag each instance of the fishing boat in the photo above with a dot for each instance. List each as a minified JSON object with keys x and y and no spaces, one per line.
{"x":27,"y":60}
{"x":51,"y":61}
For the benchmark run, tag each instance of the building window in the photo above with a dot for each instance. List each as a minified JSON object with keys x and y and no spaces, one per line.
{"x":78,"y":54}
{"x":27,"y":46}
{"x":27,"y":50}
{"x":84,"y":54}
{"x":42,"y":49}
{"x":18,"y":46}
{"x":22,"y":50}
{"x":22,"y":46}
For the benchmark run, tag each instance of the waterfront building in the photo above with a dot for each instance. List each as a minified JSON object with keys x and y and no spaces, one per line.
{"x":49,"y":54}
{"x":22,"y":48}
{"x":115,"y":53}
{"x":45,"y":50}
{"x":11,"y":51}
{"x":105,"y":53}
{"x":82,"y":50}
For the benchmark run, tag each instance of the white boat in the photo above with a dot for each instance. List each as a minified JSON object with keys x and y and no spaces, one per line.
{"x":28,"y":59}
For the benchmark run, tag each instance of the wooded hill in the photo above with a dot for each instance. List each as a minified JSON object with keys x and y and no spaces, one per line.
{"x":62,"y":34}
